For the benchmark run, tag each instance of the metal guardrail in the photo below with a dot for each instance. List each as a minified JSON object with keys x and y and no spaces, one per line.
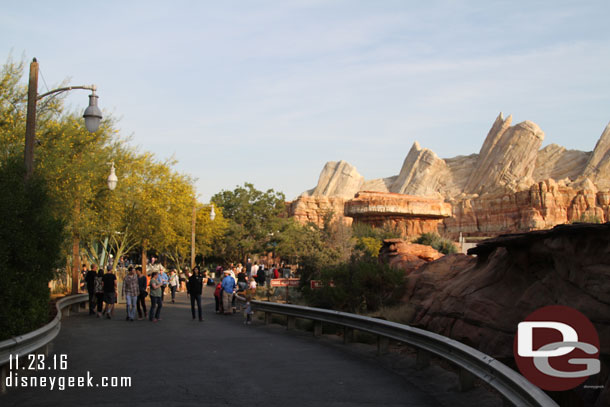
{"x":511,"y":385}
{"x":33,"y":341}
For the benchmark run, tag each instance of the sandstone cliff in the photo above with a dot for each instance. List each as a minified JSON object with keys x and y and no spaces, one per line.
{"x":479,"y":301}
{"x":511,"y":185}
{"x":338,"y":179}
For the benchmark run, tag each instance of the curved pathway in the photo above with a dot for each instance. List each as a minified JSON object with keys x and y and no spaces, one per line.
{"x":220,"y":361}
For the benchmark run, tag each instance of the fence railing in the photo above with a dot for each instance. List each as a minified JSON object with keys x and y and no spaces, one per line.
{"x":39,"y":339}
{"x":472,"y":363}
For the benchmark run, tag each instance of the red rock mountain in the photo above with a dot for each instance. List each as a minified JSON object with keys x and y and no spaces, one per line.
{"x":511,"y":185}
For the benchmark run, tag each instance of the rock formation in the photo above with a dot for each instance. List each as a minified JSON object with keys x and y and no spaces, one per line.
{"x":406,"y":256}
{"x":422,"y":173}
{"x":338,"y":179}
{"x":511,"y":185}
{"x":412,"y":215}
{"x":507,"y":158}
{"x":480,"y":300}
{"x":316,"y":209}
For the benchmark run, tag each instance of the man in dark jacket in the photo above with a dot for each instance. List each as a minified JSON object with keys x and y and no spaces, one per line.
{"x":194,"y":287}
{"x":90,"y":280}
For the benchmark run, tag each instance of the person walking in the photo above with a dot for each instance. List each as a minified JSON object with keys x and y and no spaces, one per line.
{"x":195,"y":289}
{"x":228,"y":287}
{"x":242,"y":281}
{"x":254,"y":271}
{"x":182,"y":281}
{"x":90,"y":280}
{"x":261,"y":275}
{"x":156,"y":301}
{"x":142,"y":283}
{"x":173,"y":284}
{"x":110,"y":292}
{"x":164,"y":280}
{"x":99,"y":292}
{"x":131,"y":290}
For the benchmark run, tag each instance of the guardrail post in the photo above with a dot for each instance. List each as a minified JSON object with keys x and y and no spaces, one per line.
{"x":75,"y":308}
{"x":383,"y":343}
{"x":267,"y":318}
{"x":48,"y":349}
{"x":466,"y":380}
{"x":422,"y":360}
{"x":291,"y":323}
{"x":348,"y":335}
{"x":317,"y":328}
{"x":65,"y":312}
{"x":3,"y":375}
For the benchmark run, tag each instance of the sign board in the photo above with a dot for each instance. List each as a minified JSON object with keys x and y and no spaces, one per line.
{"x":314,"y":284}
{"x":285,"y":282}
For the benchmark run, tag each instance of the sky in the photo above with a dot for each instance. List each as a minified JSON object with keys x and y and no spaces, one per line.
{"x":268,"y":91}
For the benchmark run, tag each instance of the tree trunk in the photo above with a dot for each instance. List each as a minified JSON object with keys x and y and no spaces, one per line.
{"x":144,"y":256}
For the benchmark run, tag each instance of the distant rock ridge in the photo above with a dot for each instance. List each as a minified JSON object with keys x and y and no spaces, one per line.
{"x":511,"y":185}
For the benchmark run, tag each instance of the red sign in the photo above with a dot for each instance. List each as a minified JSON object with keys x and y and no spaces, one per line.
{"x":285,"y":282}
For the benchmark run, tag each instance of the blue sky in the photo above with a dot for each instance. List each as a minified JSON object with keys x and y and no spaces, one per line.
{"x":268,"y":91}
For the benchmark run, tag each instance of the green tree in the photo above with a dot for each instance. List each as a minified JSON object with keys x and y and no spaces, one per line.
{"x":438,"y":243}
{"x":30,"y":242}
{"x":253,"y":216}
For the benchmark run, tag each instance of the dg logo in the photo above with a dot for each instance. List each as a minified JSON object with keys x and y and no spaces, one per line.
{"x":557,"y":348}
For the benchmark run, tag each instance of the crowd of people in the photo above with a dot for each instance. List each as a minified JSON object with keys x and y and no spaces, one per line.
{"x":103,"y":289}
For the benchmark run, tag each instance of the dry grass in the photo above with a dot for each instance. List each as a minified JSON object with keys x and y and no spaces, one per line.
{"x":402,"y":313}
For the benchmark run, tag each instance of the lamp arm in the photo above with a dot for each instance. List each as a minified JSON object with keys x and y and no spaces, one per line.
{"x":92,"y":88}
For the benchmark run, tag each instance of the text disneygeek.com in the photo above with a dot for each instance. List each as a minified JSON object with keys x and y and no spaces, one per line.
{"x":14,"y":380}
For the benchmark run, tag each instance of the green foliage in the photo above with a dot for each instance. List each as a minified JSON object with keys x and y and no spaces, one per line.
{"x":369,"y":240}
{"x":366,"y":230}
{"x":30,"y":241}
{"x":438,"y":243}
{"x":589,"y":218}
{"x":254,"y":218}
{"x":369,"y":246}
{"x":152,"y":204}
{"x":358,"y":286}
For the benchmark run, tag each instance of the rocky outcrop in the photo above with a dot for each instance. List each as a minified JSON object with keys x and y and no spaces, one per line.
{"x":338,"y":179}
{"x":411,"y":215}
{"x":511,"y":185}
{"x":422,"y":173}
{"x":598,"y":167}
{"x":507,"y":158}
{"x":558,"y":163}
{"x":480,"y":300}
{"x":406,"y":256}
{"x":542,"y":206}
{"x":316,"y":210}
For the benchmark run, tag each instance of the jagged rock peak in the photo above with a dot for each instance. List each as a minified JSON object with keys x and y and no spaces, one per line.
{"x":507,"y":158}
{"x":422,"y":173}
{"x":338,"y":178}
{"x":598,"y":167}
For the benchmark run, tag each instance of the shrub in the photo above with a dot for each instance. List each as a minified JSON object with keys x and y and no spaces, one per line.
{"x":369,"y":240}
{"x":357,"y":286}
{"x":438,"y":243}
{"x":589,"y":218}
{"x":30,"y":240}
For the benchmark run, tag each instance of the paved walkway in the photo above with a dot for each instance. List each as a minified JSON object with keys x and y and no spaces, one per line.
{"x":220,"y":361}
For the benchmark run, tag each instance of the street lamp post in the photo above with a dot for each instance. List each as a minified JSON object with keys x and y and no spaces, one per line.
{"x":92,"y":115}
